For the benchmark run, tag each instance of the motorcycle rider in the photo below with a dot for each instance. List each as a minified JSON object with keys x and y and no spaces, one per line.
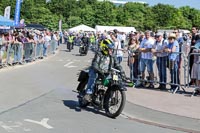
{"x":103,"y":61}
{"x":70,"y":41}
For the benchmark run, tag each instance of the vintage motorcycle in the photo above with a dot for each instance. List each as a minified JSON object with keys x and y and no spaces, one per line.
{"x":109,"y":92}
{"x":83,"y":49}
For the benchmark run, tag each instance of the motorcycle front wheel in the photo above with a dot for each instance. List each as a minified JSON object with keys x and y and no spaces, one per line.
{"x":114,"y":102}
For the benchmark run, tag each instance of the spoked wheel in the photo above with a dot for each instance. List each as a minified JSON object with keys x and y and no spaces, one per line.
{"x":114,"y":102}
{"x":81,"y":88}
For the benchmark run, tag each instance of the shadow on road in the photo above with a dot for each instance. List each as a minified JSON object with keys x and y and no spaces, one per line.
{"x":74,"y":105}
{"x":77,"y":54}
{"x":64,"y":50}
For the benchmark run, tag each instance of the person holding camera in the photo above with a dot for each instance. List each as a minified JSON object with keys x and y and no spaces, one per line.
{"x":147,"y":57}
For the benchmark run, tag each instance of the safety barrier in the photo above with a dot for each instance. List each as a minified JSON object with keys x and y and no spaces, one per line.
{"x":194,"y":72}
{"x":11,"y":54}
{"x":165,"y":72}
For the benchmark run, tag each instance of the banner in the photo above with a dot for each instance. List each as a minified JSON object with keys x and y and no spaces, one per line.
{"x":17,"y":12}
{"x":7,"y":12}
{"x":60,"y":25}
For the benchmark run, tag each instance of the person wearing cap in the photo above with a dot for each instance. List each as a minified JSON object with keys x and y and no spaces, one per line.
{"x":161,"y":60}
{"x":147,"y":57}
{"x":173,"y":58}
{"x":141,"y":37}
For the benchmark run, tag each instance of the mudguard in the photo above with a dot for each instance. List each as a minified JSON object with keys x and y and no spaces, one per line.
{"x":118,"y":87}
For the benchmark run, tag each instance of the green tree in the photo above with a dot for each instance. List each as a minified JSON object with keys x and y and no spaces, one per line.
{"x":178,"y":20}
{"x":73,"y":21}
{"x":163,"y":14}
{"x":94,"y":12}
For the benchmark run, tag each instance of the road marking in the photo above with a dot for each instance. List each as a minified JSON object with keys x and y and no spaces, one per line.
{"x":89,"y":61}
{"x":27,"y":130}
{"x":68,"y":65}
{"x":60,"y":60}
{"x":43,"y":122}
{"x":77,"y":60}
{"x":10,"y":128}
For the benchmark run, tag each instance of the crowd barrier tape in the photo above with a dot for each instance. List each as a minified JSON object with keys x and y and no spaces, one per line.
{"x":11,"y":54}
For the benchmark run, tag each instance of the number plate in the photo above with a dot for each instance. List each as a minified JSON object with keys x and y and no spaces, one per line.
{"x":115,"y":77}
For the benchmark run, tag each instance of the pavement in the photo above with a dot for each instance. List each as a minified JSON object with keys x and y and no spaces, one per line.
{"x":177,"y":104}
{"x":177,"y":111}
{"x":164,"y":101}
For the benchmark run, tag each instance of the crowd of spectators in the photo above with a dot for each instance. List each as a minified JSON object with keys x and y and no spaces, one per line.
{"x":22,"y":46}
{"x":165,"y":50}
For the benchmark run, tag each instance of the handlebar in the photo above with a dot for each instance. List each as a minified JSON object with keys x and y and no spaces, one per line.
{"x":115,"y":70}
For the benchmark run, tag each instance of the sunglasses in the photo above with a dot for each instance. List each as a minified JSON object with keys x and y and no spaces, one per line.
{"x":170,"y":38}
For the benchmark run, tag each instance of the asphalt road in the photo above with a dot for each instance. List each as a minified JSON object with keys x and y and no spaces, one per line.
{"x":38,"y":98}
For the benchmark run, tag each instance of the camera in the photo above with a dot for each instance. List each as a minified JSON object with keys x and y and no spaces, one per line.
{"x":185,"y":37}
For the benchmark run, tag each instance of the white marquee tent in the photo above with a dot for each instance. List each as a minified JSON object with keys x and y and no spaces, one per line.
{"x":100,"y":28}
{"x":81,"y":27}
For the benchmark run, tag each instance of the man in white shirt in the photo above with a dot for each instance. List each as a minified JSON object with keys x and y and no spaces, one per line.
{"x":146,"y":57}
{"x":47,"y":39}
{"x":118,"y":49}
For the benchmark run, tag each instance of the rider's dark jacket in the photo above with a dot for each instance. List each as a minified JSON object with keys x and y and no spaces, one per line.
{"x":100,"y":62}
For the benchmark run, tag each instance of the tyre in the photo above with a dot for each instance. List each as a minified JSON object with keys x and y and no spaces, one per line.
{"x":81,"y":88}
{"x":114,"y":102}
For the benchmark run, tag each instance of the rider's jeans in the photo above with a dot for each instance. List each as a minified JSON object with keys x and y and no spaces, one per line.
{"x":91,"y":81}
